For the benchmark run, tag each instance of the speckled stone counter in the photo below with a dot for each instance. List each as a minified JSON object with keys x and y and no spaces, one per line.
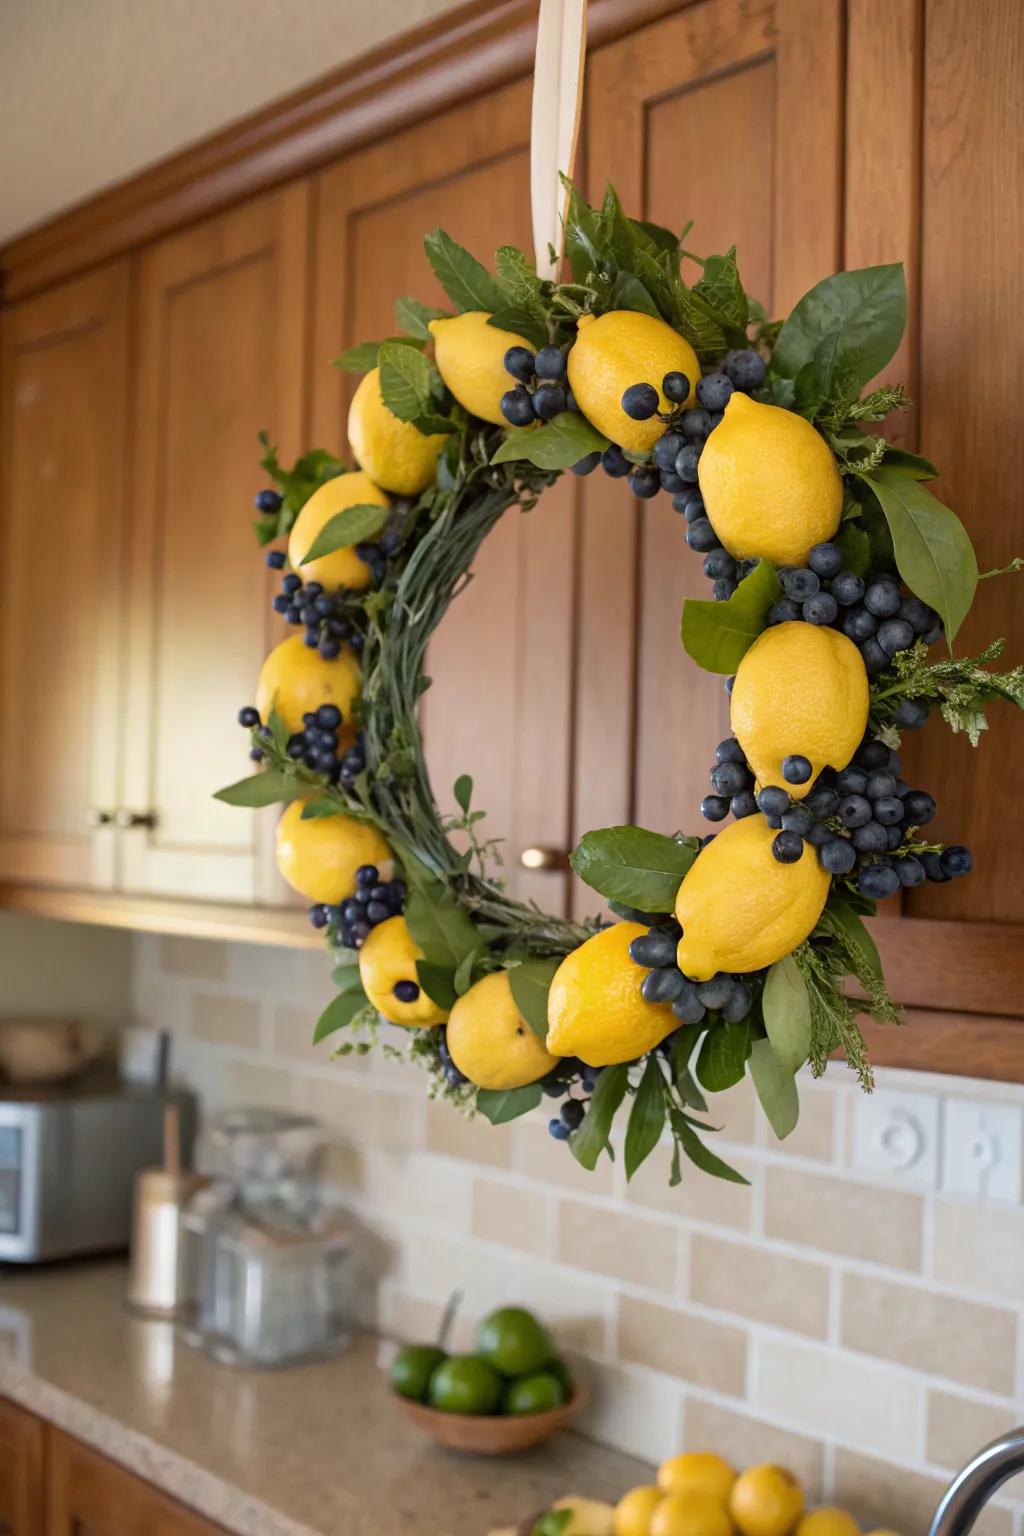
{"x":318,"y":1450}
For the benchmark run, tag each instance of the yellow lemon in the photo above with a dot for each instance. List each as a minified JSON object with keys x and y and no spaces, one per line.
{"x":634,"y":1510}
{"x":801,"y":689}
{"x":319,"y":857}
{"x":880,"y":1531}
{"x":740,"y":908}
{"x":295,"y":679}
{"x":770,"y":483}
{"x":470,"y":357}
{"x":397,"y":455}
{"x":595,"y":1007}
{"x":689,"y":1514}
{"x":828,"y":1521}
{"x":490,"y":1041}
{"x":697,"y":1472}
{"x":619,"y":349}
{"x":388,"y":957}
{"x":589,"y":1517}
{"x":766,"y":1500}
{"x":342,"y":568}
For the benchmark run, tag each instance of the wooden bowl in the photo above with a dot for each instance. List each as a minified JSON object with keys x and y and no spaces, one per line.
{"x":489,"y":1434}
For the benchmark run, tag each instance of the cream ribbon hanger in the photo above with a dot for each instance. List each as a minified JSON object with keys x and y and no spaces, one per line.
{"x":555,"y":121}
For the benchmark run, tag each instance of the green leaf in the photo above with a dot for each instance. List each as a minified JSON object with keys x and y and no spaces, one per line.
{"x":721,"y":290}
{"x":629,"y":864}
{"x":840,"y":919}
{"x":468,"y":284}
{"x":463,"y":792}
{"x":438,"y":924}
{"x":554,"y":1523}
{"x":521,"y":322}
{"x":867,"y":310}
{"x":438,"y":982}
{"x":499,"y":1105}
{"x":361,"y":358}
{"x":267,"y":788}
{"x":464,"y":969}
{"x":584,"y":239}
{"x":913,"y":463}
{"x":531,"y":983}
{"x":339,"y":1013}
{"x":591,"y":1139}
{"x":786,"y":1009}
{"x":519,"y":280}
{"x":558,"y":444}
{"x":629,"y":292}
{"x":347,"y":978}
{"x":856,"y":547}
{"x":317,"y":810}
{"x":934,"y":554}
{"x":413,"y":316}
{"x":818,"y":380}
{"x":723,"y":1056}
{"x":660,"y":237}
{"x":700,"y":1155}
{"x":776,"y":1088}
{"x":718,"y":635}
{"x":646,"y":1118}
{"x":351,"y":526}
{"x":407,"y":381}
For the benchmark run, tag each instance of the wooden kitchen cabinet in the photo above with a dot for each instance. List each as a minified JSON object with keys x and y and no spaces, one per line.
{"x":87,"y":1495}
{"x":65,"y":371}
{"x":21,"y":1472}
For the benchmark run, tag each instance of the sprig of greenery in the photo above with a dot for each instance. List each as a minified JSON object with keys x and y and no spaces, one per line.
{"x":961,"y":685}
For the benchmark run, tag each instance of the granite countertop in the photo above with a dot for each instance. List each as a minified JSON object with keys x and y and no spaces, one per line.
{"x":318,"y":1450}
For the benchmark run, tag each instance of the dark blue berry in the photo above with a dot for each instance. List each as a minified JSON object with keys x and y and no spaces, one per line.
{"x":933,"y":867}
{"x":730,"y":751}
{"x":917,"y":614}
{"x":517,"y":406}
{"x":874,"y":658}
{"x":739,"y":1004}
{"x":800,"y":584}
{"x":367,"y":875}
{"x":249,"y":717}
{"x":882,"y":597}
{"x":743,"y":804}
{"x":873,"y":755}
{"x":822,"y":800}
{"x":787,"y":847}
{"x":257,"y":754}
{"x":687,"y":460}
{"x":746,"y":368}
{"x":406,"y":991}
{"x":895,"y":635}
{"x":276,"y":559}
{"x":695,"y":423}
{"x":785,"y":611}
{"x":878,"y":881}
{"x":665,"y":450}
{"x":713,"y":391}
{"x":880,"y":782}
{"x":846,"y":588}
{"x":676,"y":387}
{"x":692,"y":505}
{"x":871,"y":837}
{"x":796,"y":769}
{"x":267,"y":501}
{"x":911,"y":714}
{"x":558,"y":1129}
{"x":329,"y":648}
{"x":549,"y":363}
{"x":888,"y":809}
{"x":714,"y":808}
{"x":837,"y":856}
{"x":640,"y":401}
{"x":797,"y":819}
{"x":671,"y":482}
{"x":773,"y":800}
{"x":859,"y":624}
{"x":653,"y":949}
{"x":291,"y":583}
{"x":701,"y":536}
{"x":826,"y":560}
{"x":716,"y":992}
{"x":645,"y":482}
{"x":572,"y":1112}
{"x":719,"y":563}
{"x":662,"y":985}
{"x":909,"y":871}
{"x":919,"y":806}
{"x":729,"y":778}
{"x":548,"y":401}
{"x":688,"y":1007}
{"x":615,"y":463}
{"x":822,"y":608}
{"x":318,"y":915}
{"x":956,"y":861}
{"x":519,"y":362}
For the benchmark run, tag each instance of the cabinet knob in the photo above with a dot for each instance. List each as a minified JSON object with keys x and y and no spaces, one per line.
{"x":94,"y":817}
{"x":546,"y":859}
{"x":131,"y":821}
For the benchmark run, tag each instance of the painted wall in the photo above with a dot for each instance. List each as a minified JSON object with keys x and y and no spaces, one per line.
{"x":51,"y":970}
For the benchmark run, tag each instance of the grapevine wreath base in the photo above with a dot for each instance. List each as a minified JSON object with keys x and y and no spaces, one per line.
{"x":839,"y":583}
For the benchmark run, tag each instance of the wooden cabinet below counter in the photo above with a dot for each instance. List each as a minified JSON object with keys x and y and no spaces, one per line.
{"x":87,"y":1495}
{"x":22,"y":1439}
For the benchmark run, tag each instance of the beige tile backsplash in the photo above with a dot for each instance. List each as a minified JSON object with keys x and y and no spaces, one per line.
{"x":866,"y":1334}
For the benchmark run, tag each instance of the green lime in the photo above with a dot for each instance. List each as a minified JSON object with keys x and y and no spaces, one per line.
{"x":513,"y":1342}
{"x":562,"y":1374}
{"x":412,"y":1369}
{"x":533,"y":1394}
{"x":464,"y":1384}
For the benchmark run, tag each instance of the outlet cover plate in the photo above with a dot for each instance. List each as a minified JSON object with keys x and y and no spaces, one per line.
{"x":982,"y":1145}
{"x":896,"y":1136}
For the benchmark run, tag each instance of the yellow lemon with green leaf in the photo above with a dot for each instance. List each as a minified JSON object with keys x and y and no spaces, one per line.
{"x":770,"y":483}
{"x":387,"y":970}
{"x":470,"y":357}
{"x":295,"y":679}
{"x":801,"y":690}
{"x":319,"y":855}
{"x":595,"y":1007}
{"x":394,"y":453}
{"x":621,"y":348}
{"x":739,"y":908}
{"x":490,"y":1041}
{"x":342,"y":567}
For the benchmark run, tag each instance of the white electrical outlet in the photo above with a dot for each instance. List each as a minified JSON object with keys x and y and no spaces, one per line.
{"x":981,"y":1149}
{"x":897,"y":1134}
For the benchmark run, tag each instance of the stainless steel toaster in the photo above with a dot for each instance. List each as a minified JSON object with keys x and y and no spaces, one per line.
{"x":68,"y":1160}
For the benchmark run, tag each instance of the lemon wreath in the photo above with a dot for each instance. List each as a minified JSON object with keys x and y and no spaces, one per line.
{"x":834,"y":572}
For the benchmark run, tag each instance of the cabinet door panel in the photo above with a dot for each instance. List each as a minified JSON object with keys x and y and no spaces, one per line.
{"x":64,"y":368}
{"x":87,"y":1495}
{"x":499,"y":705}
{"x":21,"y":1472}
{"x":220,"y":347}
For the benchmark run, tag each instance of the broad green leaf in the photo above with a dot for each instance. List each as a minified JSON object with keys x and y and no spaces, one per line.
{"x":438,"y":982}
{"x":519,"y":280}
{"x":407,"y":381}
{"x":413,"y":316}
{"x":631,"y":865}
{"x":718,"y":635}
{"x":591,"y":1139}
{"x":339,"y":1013}
{"x":630,"y":293}
{"x":700,"y":1155}
{"x":819,"y":380}
{"x":361,"y":358}
{"x":463,"y":792}
{"x":438,"y":924}
{"x":351,"y":526}
{"x":664,"y":239}
{"x":499,"y":1105}
{"x":867,"y":309}
{"x":584,"y":240}
{"x":786,"y":1009}
{"x":721,"y":290}
{"x":267,"y":788}
{"x":913,"y":463}
{"x":776,"y":1089}
{"x":646,"y":1118}
{"x":346,"y":978}
{"x":554,"y":1523}
{"x":317,"y":810}
{"x":934,"y":554}
{"x":558,"y":444}
{"x":520,"y":322}
{"x":723,"y":1056}
{"x":531,"y":983}
{"x":464,"y":969}
{"x":856,"y":547}
{"x":840,"y":918}
{"x":468,"y":284}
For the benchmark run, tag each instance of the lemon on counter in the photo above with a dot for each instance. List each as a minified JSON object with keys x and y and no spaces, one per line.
{"x":394,"y":453}
{"x":801,"y":689}
{"x":740,"y":909}
{"x":589,"y":1516}
{"x":770,"y":483}
{"x":828,"y":1521}
{"x":319,"y":857}
{"x":622,"y":348}
{"x":470,"y":357}
{"x":595,"y":1008}
{"x":342,"y":568}
{"x":634,"y":1510}
{"x":697,"y":1472}
{"x":766,"y":1501}
{"x":386,"y":961}
{"x":489,"y":1040}
{"x":689,"y":1514}
{"x":295,"y":679}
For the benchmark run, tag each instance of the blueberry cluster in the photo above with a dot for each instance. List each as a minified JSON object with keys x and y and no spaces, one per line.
{"x":316,"y":745}
{"x":541,"y":392}
{"x":323,"y":614}
{"x":875,"y":614}
{"x":558,"y":1085}
{"x":353,"y":920}
{"x":727,"y":997}
{"x":732,"y":782}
